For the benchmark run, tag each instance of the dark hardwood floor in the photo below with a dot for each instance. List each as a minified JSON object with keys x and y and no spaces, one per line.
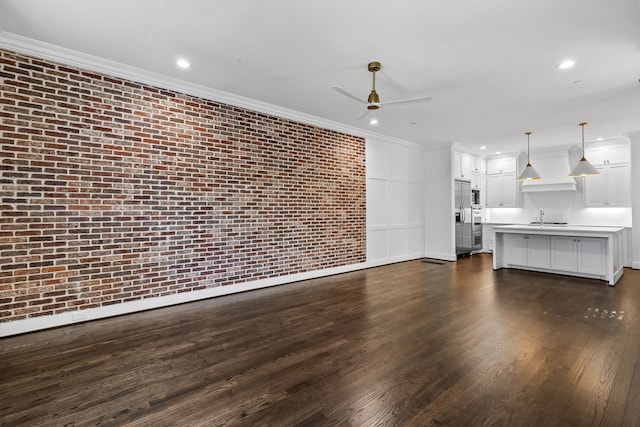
{"x":413,"y":344}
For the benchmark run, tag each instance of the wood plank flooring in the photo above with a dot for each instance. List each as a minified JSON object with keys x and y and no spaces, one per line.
{"x":410,"y":344}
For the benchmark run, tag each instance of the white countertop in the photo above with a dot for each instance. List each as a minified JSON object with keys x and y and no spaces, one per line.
{"x":559,"y":230}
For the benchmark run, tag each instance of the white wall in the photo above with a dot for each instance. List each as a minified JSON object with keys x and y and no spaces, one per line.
{"x":395,"y":208}
{"x":635,"y":197}
{"x":439,"y":227}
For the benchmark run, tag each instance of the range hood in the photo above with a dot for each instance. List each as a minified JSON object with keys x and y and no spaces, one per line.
{"x":554,"y":166}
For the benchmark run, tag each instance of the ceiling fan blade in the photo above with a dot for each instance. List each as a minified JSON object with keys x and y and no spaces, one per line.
{"x":347,"y":94}
{"x":363,"y":115}
{"x":423,"y":99}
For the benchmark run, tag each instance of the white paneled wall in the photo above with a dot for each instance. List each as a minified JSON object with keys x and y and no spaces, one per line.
{"x":439,"y":230}
{"x":395,"y":207}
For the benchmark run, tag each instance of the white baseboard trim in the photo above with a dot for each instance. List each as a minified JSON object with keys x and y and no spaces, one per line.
{"x":440,"y":255}
{"x":45,"y":322}
{"x":387,"y":261}
{"x":635,"y":265}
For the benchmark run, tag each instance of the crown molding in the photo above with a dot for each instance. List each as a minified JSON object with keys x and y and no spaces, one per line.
{"x":633,"y":136}
{"x":39,"y":49}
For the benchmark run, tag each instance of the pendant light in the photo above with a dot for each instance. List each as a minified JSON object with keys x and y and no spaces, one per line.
{"x":583,"y":168}
{"x":528,"y":173}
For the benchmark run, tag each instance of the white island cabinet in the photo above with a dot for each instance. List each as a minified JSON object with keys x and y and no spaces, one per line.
{"x":593,"y":252}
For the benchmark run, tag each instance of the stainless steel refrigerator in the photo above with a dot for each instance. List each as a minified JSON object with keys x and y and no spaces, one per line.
{"x":463,"y":217}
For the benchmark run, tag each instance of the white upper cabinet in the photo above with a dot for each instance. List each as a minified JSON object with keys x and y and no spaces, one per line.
{"x":502,"y":188}
{"x":476,"y":164}
{"x":463,"y":165}
{"x":613,"y":186}
{"x":610,"y":188}
{"x":608,"y":154}
{"x":476,"y":180}
{"x":501,"y":165}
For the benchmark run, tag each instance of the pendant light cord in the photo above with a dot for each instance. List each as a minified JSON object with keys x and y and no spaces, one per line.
{"x":582,"y":126}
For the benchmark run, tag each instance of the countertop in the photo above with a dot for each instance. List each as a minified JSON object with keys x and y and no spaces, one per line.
{"x":500,"y":224}
{"x":559,"y":230}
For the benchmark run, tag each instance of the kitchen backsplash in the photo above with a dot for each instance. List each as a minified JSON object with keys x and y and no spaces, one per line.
{"x":559,"y":207}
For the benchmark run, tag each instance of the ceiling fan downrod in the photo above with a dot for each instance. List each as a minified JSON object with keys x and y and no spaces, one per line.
{"x":373,"y":98}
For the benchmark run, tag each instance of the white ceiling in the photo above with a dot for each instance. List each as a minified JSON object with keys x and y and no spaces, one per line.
{"x":490,"y":66}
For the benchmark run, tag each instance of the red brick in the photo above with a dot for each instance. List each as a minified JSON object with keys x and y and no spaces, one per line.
{"x":122,"y":191}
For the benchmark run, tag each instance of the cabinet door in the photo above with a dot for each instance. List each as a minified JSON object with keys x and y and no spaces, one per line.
{"x":509,"y":165}
{"x":483,"y":166}
{"x":538,"y":251}
{"x":502,"y":165}
{"x":465,"y":165}
{"x":494,"y":166}
{"x":595,"y":188}
{"x":517,"y":249}
{"x":619,"y":153}
{"x":608,"y":154}
{"x":592,"y":256}
{"x":618,"y":180}
{"x":596,"y":155}
{"x":488,"y":236}
{"x":509,"y":190}
{"x":494,"y":191}
{"x":563,"y":253}
{"x":476,"y":164}
{"x":456,"y":164}
{"x":475,"y":180}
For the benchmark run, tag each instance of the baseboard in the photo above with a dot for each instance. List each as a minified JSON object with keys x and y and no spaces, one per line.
{"x":440,"y":255}
{"x":635,"y":265}
{"x":387,"y":261}
{"x":45,"y":322}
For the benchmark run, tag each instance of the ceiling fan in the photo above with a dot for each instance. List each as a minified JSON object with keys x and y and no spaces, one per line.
{"x":373,"y":101}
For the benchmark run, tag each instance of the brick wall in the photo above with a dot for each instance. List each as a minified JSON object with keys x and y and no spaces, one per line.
{"x":114,"y":191}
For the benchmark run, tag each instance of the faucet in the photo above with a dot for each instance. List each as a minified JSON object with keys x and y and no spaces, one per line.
{"x":541,"y":217}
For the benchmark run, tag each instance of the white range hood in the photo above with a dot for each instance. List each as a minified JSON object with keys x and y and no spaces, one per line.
{"x":553,"y":166}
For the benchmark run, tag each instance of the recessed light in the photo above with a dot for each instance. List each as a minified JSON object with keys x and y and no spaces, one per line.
{"x":599,"y":139}
{"x":565,"y":65}
{"x":373,"y":122}
{"x":498,"y":152}
{"x":484,"y":147}
{"x":183,"y":63}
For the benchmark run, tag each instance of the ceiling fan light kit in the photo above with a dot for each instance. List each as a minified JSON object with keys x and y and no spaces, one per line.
{"x":373,"y":100}
{"x":528,"y":173}
{"x":583,"y":168}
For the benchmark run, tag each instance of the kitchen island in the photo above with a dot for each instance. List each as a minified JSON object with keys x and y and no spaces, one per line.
{"x":593,"y":252}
